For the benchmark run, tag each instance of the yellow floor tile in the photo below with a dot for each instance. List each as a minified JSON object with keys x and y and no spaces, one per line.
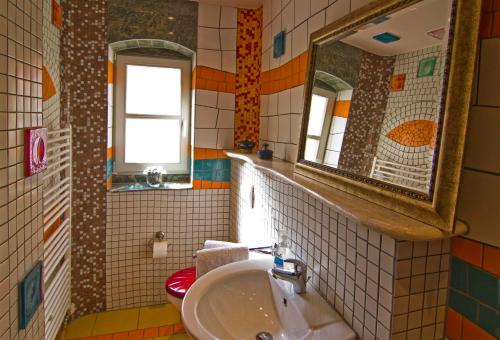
{"x":155,"y":316}
{"x":80,"y":327}
{"x":116,"y":321}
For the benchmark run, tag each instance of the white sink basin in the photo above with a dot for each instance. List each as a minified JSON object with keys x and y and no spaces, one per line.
{"x":239,"y":300}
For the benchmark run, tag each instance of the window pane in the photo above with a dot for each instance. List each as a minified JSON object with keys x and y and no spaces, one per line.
{"x":317,"y":115}
{"x":152,"y":141}
{"x":311,"y":151}
{"x":153,"y":90}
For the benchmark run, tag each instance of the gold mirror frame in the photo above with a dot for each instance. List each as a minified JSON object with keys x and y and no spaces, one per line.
{"x":437,"y":210}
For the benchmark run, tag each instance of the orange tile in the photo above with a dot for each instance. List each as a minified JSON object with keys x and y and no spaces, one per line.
{"x":221,"y":154}
{"x":196,"y":184}
{"x":487,"y":5}
{"x":48,"y":87}
{"x":179,"y":328}
{"x":206,"y":185}
{"x":88,"y":338}
{"x":219,"y":75}
{"x":486,"y":25}
{"x":467,"y":250}
{"x":303,"y":61}
{"x":491,"y":260}
{"x":110,"y":72}
{"x":201,"y":84}
{"x":150,"y":332}
{"x":470,"y":331}
{"x":230,"y":88}
{"x":109,"y":153}
{"x":222,"y":87}
{"x":495,"y":32}
{"x":454,"y":325}
{"x":496,"y":5}
{"x":105,"y":337}
{"x":136,"y":335}
{"x":200,"y":153}
{"x":165,"y":330}
{"x":212,"y":153}
{"x":120,"y":336}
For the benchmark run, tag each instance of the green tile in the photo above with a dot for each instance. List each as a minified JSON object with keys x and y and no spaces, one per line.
{"x":489,"y":320}
{"x":459,"y":274}
{"x":463,"y":304}
{"x":484,"y":286}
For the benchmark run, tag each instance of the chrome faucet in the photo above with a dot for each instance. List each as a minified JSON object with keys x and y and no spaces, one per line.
{"x":297,"y":277}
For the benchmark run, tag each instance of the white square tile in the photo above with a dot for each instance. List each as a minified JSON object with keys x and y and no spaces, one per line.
{"x":228,"y":39}
{"x":206,"y":98}
{"x":206,"y":117}
{"x":337,"y":10}
{"x":229,"y":17}
{"x":275,"y":27}
{"x":295,"y":124}
{"x":263,"y":127}
{"x":299,"y":40}
{"x":209,"y":38}
{"x":267,"y":39}
{"x":225,"y":119}
{"x":291,"y":153}
{"x":205,"y":138}
{"x":208,"y":15}
{"x":229,"y":61}
{"x":265,"y":60}
{"x":284,"y":102}
{"x":209,"y":58}
{"x":264,"y":104}
{"x":275,"y":8}
{"x":266,"y":12}
{"x":316,"y":22}
{"x":297,"y":99}
{"x":273,"y":129}
{"x":226,"y":101}
{"x":279,"y":150}
{"x":355,"y":4}
{"x":225,"y":139}
{"x":284,"y":129}
{"x":288,"y":17}
{"x":318,"y":5}
{"x":273,"y":104}
{"x":302,"y":11}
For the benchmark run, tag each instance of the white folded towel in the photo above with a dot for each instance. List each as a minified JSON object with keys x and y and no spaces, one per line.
{"x":208,"y":259}
{"x":219,"y":244}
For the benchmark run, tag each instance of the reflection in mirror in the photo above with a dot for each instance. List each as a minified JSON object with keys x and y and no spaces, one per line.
{"x":376,"y":97}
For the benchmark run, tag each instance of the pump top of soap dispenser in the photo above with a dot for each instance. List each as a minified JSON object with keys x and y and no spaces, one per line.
{"x":265,"y":153}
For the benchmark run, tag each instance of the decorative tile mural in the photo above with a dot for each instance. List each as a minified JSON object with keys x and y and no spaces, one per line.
{"x":409,"y":127}
{"x":212,"y":169}
{"x":248,"y":58}
{"x":85,"y":47}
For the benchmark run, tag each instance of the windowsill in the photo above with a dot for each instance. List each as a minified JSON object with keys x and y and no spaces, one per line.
{"x":126,"y":187}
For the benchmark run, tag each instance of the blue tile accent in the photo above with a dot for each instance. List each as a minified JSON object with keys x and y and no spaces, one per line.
{"x":484,"y":287}
{"x":218,"y":169}
{"x":109,"y":168}
{"x":459,"y":274}
{"x":386,"y":38}
{"x":463,"y":304}
{"x":489,"y":320}
{"x":279,"y":44}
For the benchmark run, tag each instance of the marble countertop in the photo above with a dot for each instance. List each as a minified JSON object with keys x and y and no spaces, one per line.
{"x":369,"y":214}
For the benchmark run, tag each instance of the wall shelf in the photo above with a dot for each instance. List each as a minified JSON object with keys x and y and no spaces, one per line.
{"x":371,"y":215}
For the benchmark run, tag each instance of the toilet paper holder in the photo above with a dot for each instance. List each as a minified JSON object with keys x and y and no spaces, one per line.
{"x":159,"y":236}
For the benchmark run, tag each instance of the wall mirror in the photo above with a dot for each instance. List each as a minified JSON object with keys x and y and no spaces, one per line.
{"x":386,"y":105}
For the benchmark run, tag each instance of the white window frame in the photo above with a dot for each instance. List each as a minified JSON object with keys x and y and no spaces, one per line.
{"x":120,"y":115}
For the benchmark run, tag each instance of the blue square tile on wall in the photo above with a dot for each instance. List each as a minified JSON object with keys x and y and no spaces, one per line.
{"x":484,"y":287}
{"x":463,"y":304}
{"x":459,"y":274}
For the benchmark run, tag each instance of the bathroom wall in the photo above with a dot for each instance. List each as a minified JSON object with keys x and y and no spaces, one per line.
{"x":21,"y":228}
{"x":84,"y":54}
{"x":383,"y":288}
{"x":474,"y":311}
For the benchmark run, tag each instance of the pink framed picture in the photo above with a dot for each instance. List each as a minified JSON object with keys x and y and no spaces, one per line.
{"x":35,"y":150}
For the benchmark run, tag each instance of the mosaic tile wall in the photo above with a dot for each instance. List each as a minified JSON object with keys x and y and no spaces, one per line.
{"x":415,"y":107}
{"x":475,"y":313}
{"x":84,"y":52}
{"x":368,"y":105}
{"x":52,"y":66}
{"x":282,"y":78}
{"x":189,"y":217}
{"x":383,"y":288}
{"x":21,"y":225}
{"x":248,"y":59}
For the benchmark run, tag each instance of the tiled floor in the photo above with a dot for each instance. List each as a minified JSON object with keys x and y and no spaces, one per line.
{"x":156,"y":322}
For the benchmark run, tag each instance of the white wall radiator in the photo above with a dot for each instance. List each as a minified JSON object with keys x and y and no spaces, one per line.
{"x":407,"y":176}
{"x":57,"y":231}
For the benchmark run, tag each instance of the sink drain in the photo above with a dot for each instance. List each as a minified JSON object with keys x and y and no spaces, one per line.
{"x":263,"y":336}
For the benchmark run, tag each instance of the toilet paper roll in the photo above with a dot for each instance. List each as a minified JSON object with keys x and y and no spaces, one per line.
{"x":160,"y":249}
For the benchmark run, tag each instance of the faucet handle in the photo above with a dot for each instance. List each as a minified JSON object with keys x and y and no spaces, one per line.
{"x":299,"y":266}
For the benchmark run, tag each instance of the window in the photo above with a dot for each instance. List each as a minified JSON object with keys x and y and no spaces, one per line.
{"x":152,"y":114}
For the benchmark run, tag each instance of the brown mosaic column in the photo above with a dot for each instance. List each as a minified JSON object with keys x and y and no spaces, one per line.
{"x":84,"y":100}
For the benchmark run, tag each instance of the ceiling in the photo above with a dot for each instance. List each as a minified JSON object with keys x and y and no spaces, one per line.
{"x":411,"y":24}
{"x":234,"y":3}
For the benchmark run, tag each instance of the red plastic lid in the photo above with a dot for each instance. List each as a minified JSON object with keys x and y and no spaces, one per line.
{"x":179,"y":282}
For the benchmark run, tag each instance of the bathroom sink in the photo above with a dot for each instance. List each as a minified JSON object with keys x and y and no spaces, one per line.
{"x":242,"y":299}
